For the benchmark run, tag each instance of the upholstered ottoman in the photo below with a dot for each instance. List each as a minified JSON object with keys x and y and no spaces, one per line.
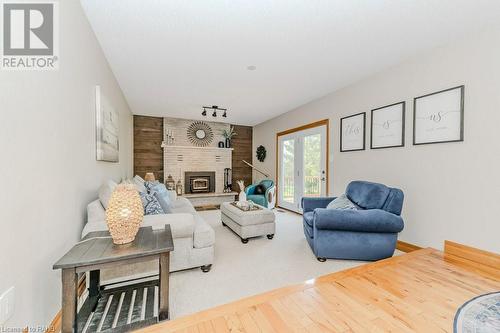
{"x":247,"y":224}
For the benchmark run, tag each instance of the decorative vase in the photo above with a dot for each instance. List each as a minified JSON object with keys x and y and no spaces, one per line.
{"x":221,"y":144}
{"x":228,"y":143}
{"x":149,"y":177}
{"x":124,"y":214}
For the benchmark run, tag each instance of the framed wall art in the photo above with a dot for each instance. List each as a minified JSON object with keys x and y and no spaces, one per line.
{"x":388,"y":126}
{"x":439,"y":117}
{"x":353,"y":132}
{"x":107,"y":125}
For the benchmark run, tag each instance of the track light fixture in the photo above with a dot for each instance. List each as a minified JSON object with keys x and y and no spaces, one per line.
{"x":215,"y":108}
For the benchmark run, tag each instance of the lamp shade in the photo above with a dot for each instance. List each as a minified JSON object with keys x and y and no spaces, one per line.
{"x":124,"y":214}
{"x":149,"y":177}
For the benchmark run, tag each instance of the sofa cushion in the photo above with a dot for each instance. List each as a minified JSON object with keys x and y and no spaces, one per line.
{"x":182,"y":205}
{"x":181,"y":225}
{"x":150,"y":204}
{"x":367,"y":195}
{"x":258,"y":199}
{"x":204,"y":234}
{"x":105,"y":192}
{"x":342,"y":202}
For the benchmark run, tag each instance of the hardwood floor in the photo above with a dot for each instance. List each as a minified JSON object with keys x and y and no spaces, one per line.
{"x":416,"y":292}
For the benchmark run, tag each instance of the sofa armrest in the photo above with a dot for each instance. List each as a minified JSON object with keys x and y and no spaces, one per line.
{"x":372,"y":220}
{"x":310,"y":204}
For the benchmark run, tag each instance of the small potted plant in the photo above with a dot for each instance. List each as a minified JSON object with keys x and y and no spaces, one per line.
{"x":228,"y":134}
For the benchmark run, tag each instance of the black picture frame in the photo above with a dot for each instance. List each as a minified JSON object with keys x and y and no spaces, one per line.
{"x":403,"y":126}
{"x":342,"y":131}
{"x":462,"y":109}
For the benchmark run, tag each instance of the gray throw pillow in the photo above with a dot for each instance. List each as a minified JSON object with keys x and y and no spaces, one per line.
{"x":164,"y":201}
{"x":151,"y":204}
{"x":342,"y":202}
{"x":105,"y":192}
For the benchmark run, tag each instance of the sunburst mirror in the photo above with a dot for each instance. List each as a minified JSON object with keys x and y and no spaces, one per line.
{"x":200,"y":134}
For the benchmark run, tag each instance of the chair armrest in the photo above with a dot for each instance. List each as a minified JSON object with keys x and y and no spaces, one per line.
{"x":371,"y":220}
{"x":310,"y":204}
{"x":271,"y":189}
{"x":250,"y":189}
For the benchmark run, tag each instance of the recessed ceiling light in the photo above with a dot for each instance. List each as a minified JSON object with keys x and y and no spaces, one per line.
{"x":251,"y":68}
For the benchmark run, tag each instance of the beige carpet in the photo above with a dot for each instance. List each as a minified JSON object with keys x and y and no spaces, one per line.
{"x":242,"y":270}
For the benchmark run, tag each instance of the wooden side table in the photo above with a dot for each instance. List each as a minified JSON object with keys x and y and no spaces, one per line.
{"x":97,"y":251}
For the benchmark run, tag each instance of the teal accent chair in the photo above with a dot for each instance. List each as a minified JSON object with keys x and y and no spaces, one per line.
{"x":268,"y":199}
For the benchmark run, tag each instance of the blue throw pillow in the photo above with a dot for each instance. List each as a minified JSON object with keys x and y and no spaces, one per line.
{"x":163,"y":199}
{"x":151,"y":204}
{"x":159,"y":188}
{"x":342,"y":202}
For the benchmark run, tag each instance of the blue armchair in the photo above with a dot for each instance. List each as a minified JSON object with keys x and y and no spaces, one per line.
{"x":268,"y":199}
{"x":369,"y":233}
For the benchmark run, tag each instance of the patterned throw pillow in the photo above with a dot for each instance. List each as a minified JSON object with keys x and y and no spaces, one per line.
{"x":150,"y":186}
{"x":342,"y":202}
{"x":151,"y":204}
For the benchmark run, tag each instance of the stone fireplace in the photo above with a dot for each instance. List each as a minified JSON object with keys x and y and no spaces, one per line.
{"x":199,"y":182}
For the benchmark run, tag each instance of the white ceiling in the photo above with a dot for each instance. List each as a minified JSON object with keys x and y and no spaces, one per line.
{"x":171,"y":57}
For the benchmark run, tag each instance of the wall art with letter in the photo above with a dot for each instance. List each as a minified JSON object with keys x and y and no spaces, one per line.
{"x":388,"y":126}
{"x":439,"y":117}
{"x":107,"y":145}
{"x":352,"y":132}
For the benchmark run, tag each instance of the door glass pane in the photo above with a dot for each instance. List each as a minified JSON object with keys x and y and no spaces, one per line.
{"x":288,"y":159}
{"x":312,"y":165}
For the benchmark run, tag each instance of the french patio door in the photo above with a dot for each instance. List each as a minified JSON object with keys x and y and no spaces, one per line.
{"x":302,"y":158}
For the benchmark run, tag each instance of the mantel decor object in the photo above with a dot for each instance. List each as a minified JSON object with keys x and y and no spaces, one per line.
{"x":200,"y":134}
{"x":178,"y":187}
{"x":228,"y":134}
{"x":170,"y":183}
{"x":124,"y":214}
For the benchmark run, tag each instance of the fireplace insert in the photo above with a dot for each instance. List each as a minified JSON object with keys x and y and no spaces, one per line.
{"x":199,"y":182}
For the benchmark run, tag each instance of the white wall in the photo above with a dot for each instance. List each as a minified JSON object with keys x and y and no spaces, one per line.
{"x":48,"y":165}
{"x":452,"y":190}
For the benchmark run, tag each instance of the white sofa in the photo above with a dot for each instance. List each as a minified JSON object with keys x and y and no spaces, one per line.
{"x":193,"y":237}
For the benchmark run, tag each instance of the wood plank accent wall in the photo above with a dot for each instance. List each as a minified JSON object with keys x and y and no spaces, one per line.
{"x":242,"y":144}
{"x":148,"y":154}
